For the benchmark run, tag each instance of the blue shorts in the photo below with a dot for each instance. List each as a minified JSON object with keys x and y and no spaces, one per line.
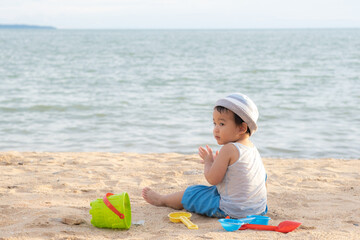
{"x":203,"y":200}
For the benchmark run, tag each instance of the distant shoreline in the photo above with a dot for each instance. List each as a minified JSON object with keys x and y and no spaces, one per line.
{"x":24,"y":26}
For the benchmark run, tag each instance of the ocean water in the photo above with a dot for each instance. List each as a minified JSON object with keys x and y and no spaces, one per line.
{"x":153,"y":90}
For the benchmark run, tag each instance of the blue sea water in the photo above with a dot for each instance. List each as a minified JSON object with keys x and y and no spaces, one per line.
{"x":153,"y":90}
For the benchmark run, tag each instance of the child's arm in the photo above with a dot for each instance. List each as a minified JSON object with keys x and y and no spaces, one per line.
{"x":215,"y":169}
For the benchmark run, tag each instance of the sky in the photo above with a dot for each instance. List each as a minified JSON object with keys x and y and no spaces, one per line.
{"x":182,"y":14}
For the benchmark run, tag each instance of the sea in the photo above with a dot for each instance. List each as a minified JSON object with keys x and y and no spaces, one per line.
{"x":153,"y":91}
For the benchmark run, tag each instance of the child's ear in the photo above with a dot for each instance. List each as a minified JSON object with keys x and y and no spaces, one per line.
{"x":243,"y":128}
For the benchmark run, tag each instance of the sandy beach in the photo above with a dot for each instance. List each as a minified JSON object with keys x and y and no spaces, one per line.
{"x":47,"y":196}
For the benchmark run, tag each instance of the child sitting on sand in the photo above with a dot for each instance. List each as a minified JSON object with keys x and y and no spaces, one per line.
{"x":236,"y":172}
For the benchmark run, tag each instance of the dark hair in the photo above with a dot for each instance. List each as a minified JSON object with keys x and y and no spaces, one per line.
{"x":238,"y":120}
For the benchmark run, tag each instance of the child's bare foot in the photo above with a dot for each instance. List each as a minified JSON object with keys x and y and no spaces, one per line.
{"x":152,"y":197}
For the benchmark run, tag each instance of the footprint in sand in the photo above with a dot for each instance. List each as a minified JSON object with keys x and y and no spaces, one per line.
{"x":42,"y":222}
{"x":72,"y":220}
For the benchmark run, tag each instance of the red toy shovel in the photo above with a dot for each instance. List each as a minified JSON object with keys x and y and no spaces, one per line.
{"x":284,"y":227}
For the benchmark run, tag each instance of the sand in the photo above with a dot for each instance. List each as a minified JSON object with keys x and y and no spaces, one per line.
{"x":47,"y":196}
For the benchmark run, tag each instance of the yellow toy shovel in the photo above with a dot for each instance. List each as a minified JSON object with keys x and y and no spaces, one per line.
{"x":183,"y":217}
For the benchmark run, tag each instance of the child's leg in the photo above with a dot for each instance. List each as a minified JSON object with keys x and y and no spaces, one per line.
{"x":172,"y":200}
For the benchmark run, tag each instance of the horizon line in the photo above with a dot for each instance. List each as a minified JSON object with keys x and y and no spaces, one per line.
{"x":49,"y":27}
{"x":253,"y":28}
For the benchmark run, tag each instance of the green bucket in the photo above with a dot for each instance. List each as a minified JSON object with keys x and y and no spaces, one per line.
{"x":112,"y":211}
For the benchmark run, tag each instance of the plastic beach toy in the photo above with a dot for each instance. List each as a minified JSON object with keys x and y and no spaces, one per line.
{"x":230,"y":225}
{"x":284,"y":227}
{"x":259,"y":219}
{"x":183,"y":217}
{"x":112,"y":211}
{"x":234,"y":224}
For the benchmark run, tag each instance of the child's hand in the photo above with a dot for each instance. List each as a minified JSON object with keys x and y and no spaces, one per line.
{"x":207,"y":154}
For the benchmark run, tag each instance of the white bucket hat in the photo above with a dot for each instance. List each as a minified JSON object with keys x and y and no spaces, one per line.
{"x":242,"y":106}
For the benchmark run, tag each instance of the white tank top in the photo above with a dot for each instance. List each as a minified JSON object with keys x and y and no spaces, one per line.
{"x":243,"y":190}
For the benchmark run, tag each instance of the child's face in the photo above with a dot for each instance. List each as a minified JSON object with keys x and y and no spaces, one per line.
{"x":225,"y":129}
